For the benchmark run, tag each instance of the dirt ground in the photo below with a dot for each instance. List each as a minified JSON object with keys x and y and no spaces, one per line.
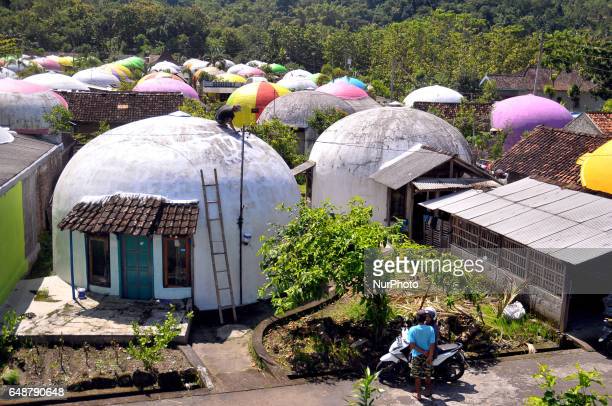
{"x":63,"y":366}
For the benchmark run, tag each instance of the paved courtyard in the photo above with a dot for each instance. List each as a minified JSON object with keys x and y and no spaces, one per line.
{"x":99,"y":318}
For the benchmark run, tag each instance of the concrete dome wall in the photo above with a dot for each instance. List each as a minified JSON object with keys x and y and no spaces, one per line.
{"x":163,"y":156}
{"x":353,"y":148}
{"x":296,"y":108}
{"x":24,"y":113}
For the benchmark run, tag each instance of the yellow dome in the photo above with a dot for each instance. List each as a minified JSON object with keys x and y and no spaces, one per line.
{"x":595,"y":169}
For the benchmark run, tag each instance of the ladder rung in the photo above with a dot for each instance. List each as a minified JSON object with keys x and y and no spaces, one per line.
{"x":217,"y":241}
{"x":211,"y":201}
{"x":223,"y":271}
{"x":224,"y":288}
{"x":227,"y":307}
{"x":214,"y":219}
{"x":211,"y":184}
{"x":218,"y":252}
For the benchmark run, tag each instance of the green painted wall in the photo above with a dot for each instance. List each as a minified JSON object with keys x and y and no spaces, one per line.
{"x":13,"y":261}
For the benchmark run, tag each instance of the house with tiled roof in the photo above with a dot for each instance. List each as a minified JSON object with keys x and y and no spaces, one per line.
{"x":449,"y":112}
{"x":89,"y":109}
{"x":550,"y":155}
{"x":516,"y":84}
{"x":592,"y":123}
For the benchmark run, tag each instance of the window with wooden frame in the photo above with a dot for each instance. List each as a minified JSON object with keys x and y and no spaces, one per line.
{"x":177,"y":262}
{"x":98,"y":260}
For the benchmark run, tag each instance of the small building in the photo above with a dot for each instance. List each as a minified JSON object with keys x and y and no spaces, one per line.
{"x":393,"y":158}
{"x":555,"y":242}
{"x":29,"y":168}
{"x":592,"y":123}
{"x":130,"y":219}
{"x":295,"y":109}
{"x":516,"y":84}
{"x":89,"y":109}
{"x":550,"y":154}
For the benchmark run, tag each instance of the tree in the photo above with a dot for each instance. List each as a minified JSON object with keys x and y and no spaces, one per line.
{"x":282,"y":138}
{"x":59,"y":119}
{"x":489,"y":92}
{"x":322,"y":119}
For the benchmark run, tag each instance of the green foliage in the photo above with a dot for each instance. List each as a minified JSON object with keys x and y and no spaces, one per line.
{"x":378,"y":312}
{"x":126,"y":86}
{"x":31,"y":69}
{"x":607,"y":107}
{"x":59,"y":119}
{"x":318,"y":247}
{"x":573,"y":92}
{"x":8,"y":339}
{"x":10,"y":377}
{"x":8,"y":46}
{"x":338,"y":73}
{"x":549,"y":91}
{"x":282,"y":138}
{"x":380,"y":89}
{"x":581,"y":394}
{"x":327,"y":70}
{"x":489,"y":92}
{"x":149,"y":342}
{"x":323,"y":79}
{"x":365,"y":392}
{"x":196,"y":108}
{"x":322,"y":119}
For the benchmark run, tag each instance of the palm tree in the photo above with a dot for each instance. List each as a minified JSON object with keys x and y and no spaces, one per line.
{"x":216,"y":57}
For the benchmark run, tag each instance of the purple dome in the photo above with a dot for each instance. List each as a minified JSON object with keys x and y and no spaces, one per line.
{"x":166,"y":85}
{"x":523,"y":113}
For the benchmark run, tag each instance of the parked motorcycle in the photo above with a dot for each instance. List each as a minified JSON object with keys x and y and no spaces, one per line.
{"x":448,"y":365}
{"x":606,"y":337}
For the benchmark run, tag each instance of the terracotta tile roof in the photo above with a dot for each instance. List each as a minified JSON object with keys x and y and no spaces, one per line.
{"x":602,"y":120}
{"x":550,"y":154}
{"x":524,"y":81}
{"x":448,"y":111}
{"x":132,"y":214}
{"x":119,"y":107}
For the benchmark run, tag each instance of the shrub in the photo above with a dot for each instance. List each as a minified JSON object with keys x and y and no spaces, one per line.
{"x":380,"y":89}
{"x":10,"y":377}
{"x":8,"y":339}
{"x":148,"y":343}
{"x":59,"y":119}
{"x":322,"y":119}
{"x":365,"y":392}
{"x":578,"y":395}
{"x":549,"y":91}
{"x":282,"y":138}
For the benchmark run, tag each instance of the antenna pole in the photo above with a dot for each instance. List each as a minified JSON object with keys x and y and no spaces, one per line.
{"x":535,"y":81}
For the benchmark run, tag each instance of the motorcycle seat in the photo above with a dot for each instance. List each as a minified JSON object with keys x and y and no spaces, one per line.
{"x":448,"y":347}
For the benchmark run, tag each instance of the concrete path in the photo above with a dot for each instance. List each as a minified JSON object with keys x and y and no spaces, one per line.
{"x":507,"y":382}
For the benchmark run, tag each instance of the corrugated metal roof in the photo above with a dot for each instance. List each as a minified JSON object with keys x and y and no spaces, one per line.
{"x":563,"y":238}
{"x":488,"y":207}
{"x":515,"y":187}
{"x":468,"y":203}
{"x":428,"y":184}
{"x":433,"y":204}
{"x":408,"y":166}
{"x":548,"y":197}
{"x":589,"y":211}
{"x":531,"y":192}
{"x":586,"y":250}
{"x":572,"y":226}
{"x":568,"y":203}
{"x":519,"y":221}
{"x":499,"y":215}
{"x":540,"y":229}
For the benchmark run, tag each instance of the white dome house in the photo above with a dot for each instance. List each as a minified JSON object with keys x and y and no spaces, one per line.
{"x":352,"y":151}
{"x":132,"y":202}
{"x":433,"y":94}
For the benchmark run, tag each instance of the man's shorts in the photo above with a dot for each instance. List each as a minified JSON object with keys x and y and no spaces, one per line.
{"x":419,"y":368}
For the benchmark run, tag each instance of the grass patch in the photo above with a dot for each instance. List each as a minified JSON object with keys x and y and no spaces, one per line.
{"x":11,"y":377}
{"x":257,"y":361}
{"x":42,"y":295}
{"x":527,"y":329}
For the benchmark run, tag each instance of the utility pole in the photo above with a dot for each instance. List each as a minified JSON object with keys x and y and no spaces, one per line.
{"x":240,"y":218}
{"x":535,"y":81}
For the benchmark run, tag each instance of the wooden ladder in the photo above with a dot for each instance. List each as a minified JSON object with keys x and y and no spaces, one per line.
{"x":220,"y":269}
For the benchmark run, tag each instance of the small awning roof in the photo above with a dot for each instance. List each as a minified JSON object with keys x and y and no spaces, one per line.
{"x":133,"y":214}
{"x":303,"y":167}
{"x":408,"y":166}
{"x":433,"y":184}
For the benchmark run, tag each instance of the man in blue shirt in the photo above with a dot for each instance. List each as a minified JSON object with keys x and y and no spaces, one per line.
{"x":422,"y":339}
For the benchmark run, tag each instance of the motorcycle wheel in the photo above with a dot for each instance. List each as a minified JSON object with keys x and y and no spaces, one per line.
{"x":388,"y":370}
{"x":453,"y":369}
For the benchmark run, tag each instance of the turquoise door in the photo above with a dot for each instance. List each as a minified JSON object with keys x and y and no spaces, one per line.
{"x":137,"y":268}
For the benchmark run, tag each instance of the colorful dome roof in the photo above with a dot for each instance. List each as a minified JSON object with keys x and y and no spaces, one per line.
{"x":56,"y":81}
{"x":253,"y":96}
{"x":343,"y":90}
{"x":519,"y":114}
{"x":166,"y":85}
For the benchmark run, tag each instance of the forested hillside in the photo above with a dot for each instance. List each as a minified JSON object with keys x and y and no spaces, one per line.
{"x":395,"y":43}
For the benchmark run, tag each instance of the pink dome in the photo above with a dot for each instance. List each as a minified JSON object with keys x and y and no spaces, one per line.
{"x":20,"y":86}
{"x":251,"y":71}
{"x":166,"y":85}
{"x":48,"y":63}
{"x":523,"y":113}
{"x":343,"y":90}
